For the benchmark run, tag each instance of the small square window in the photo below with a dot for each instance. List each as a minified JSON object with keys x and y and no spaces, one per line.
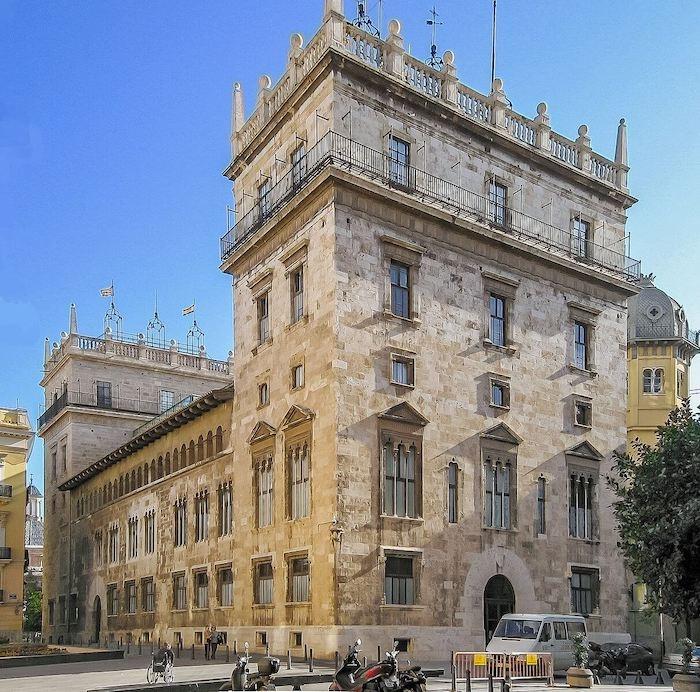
{"x":261,"y":638}
{"x":402,"y":645}
{"x":583,"y":413}
{"x":295,"y":640}
{"x":298,"y":376}
{"x":198,"y":638}
{"x":402,"y":371}
{"x":263,"y":394}
{"x":500,"y":394}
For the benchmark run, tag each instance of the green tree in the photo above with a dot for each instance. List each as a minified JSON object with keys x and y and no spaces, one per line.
{"x":32,"y":613}
{"x":658,"y":515}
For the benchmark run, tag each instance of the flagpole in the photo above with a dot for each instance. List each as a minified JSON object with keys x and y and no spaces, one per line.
{"x":493,"y":45}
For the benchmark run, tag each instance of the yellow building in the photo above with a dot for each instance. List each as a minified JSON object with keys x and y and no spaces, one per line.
{"x":659,"y":350}
{"x":16,"y":440}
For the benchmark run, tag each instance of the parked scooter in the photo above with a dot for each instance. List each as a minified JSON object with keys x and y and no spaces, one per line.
{"x":383,"y":676}
{"x":243,"y":679}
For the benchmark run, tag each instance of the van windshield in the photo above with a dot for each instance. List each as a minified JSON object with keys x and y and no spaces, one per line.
{"x":519,"y":629}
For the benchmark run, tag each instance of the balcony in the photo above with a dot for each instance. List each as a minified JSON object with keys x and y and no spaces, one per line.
{"x":5,"y":493}
{"x":168,"y":412}
{"x":338,"y":151}
{"x":91,"y":400}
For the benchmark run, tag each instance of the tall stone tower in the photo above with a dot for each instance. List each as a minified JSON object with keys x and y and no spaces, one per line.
{"x":98,"y":390}
{"x":439,"y":283}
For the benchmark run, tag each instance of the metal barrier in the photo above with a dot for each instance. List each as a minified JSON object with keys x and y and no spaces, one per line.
{"x":516,"y":666}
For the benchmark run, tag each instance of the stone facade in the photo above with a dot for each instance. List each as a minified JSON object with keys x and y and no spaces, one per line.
{"x":430,"y":378}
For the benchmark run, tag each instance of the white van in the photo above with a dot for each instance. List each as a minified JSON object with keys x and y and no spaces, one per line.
{"x":550,"y":634}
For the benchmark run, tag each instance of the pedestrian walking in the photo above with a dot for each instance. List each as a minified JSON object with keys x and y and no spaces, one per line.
{"x":207,"y":642}
{"x":215,"y":639}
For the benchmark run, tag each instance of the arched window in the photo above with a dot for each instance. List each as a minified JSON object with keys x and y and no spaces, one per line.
{"x":653,"y":380}
{"x":153,"y":470}
{"x":145,"y":474}
{"x":200,"y":448}
{"x":139,"y":477}
{"x":176,"y":460}
{"x":219,"y":440}
{"x":109,"y":492}
{"x":127,"y":484}
{"x":183,"y":456}
{"x":133,"y":479}
{"x":191,"y":457}
{"x":167,"y":463}
{"x":452,"y":477}
{"x":121,"y":486}
{"x":160,"y":467}
{"x":210,"y":445}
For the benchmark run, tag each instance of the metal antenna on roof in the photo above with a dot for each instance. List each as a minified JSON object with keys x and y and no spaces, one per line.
{"x":434,"y":60}
{"x":363,"y":20}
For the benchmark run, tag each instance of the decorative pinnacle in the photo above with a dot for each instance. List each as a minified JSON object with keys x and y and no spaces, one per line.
{"x":621,"y":143}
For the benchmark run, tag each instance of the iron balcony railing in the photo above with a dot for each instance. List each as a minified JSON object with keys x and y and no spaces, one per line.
{"x":337,"y":150}
{"x":92,"y":400}
{"x":5,"y":491}
{"x":162,"y":416}
{"x":665,"y":331}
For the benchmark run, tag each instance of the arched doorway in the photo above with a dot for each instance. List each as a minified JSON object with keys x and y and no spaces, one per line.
{"x":97,"y":617}
{"x":499,"y":599}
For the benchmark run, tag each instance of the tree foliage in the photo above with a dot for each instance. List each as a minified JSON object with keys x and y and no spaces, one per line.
{"x":32,"y":613}
{"x":658,"y":514}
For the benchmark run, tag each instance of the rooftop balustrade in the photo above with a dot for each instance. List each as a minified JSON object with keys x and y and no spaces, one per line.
{"x":388,"y":57}
{"x":338,"y":151}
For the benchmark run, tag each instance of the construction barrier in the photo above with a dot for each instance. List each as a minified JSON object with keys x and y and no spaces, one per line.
{"x":515,"y":666}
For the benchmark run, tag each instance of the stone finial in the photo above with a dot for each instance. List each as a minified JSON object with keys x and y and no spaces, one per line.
{"x":296,"y":43}
{"x":542,"y":114}
{"x":393,"y":62}
{"x":47,"y":350}
{"x":394,"y":27}
{"x":73,"y":321}
{"x":544,"y":131}
{"x":499,"y":102}
{"x":264,"y":84}
{"x":621,"y":143}
{"x":450,"y":71}
{"x":332,"y":7}
{"x":497,"y":87}
{"x":238,"y":112}
{"x":583,"y":138}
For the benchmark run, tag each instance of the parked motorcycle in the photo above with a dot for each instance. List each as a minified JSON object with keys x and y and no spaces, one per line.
{"x":243,"y":679}
{"x":383,"y":676}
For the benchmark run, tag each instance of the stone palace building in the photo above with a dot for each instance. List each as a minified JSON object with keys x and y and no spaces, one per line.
{"x":427,"y":386}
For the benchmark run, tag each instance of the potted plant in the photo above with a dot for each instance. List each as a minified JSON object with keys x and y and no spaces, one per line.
{"x":686,"y":681}
{"x":579,"y":675}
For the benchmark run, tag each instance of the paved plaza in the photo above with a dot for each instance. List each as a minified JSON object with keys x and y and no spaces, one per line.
{"x":79,"y":677}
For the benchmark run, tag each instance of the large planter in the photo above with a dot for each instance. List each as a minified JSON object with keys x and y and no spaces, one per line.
{"x":686,"y":682}
{"x":582,"y":677}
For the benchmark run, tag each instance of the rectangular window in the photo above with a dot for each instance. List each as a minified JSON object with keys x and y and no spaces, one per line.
{"x":104,"y":394}
{"x":149,"y":532}
{"x":201,"y":590}
{"x":52,"y":612}
{"x":584,"y":590}
{"x":583,"y":414}
{"x":497,"y":320}
{"x":497,"y":482}
{"x":452,"y":493}
{"x":225,"y":509}
{"x":298,"y":376}
{"x":53,"y":466}
{"x":680,"y":389}
{"x":500,"y":394}
{"x":179,"y":591}
{"x":581,"y":345}
{"x":581,"y":489}
{"x":167,"y":400}
{"x":133,"y":537}
{"x":299,"y":165}
{"x":398,"y":580}
{"x":263,"y":394}
{"x":98,"y":553}
{"x":399,"y":161}
{"x":400,"y":292}
{"x":402,"y":371}
{"x":263,"y":583}
{"x":297,"y":288}
{"x":299,"y":479}
{"x":180,"y":522}
{"x":265,"y":492}
{"x":263,"y":303}
{"x":580,"y":237}
{"x":400,"y":496}
{"x":498,"y":199}
{"x":653,"y":380}
{"x":541,"y":506}
{"x":114,"y":544}
{"x":299,"y":580}
{"x":130,"y":589}
{"x":201,"y":516}
{"x":225,"y":576}
{"x":148,"y":595}
{"x":112,"y":600}
{"x":264,"y":198}
{"x":73,"y":607}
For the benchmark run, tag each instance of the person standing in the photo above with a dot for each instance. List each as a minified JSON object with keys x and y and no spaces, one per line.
{"x":214,"y":642}
{"x":207,"y":642}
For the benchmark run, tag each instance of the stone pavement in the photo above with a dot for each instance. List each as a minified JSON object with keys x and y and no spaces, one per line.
{"x":78,"y":677}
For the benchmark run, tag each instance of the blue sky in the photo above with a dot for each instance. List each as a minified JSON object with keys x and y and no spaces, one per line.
{"x":114,"y":124}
